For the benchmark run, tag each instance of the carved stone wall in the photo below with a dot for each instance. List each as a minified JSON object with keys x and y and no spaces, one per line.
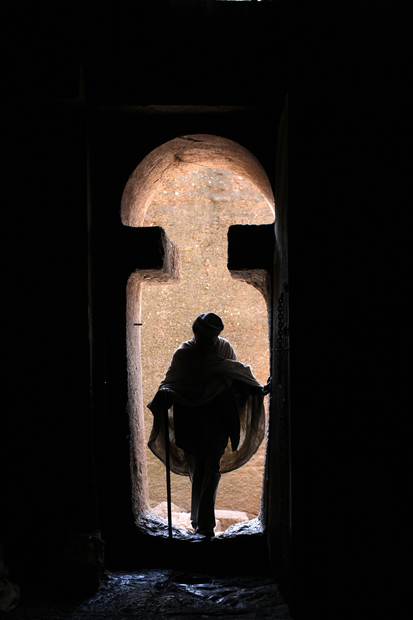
{"x":196,"y":210}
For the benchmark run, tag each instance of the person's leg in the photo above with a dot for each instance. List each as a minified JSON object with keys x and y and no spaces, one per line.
{"x":206,"y":504}
{"x":210,"y":431}
{"x":196,"y":475}
{"x":211,"y":478}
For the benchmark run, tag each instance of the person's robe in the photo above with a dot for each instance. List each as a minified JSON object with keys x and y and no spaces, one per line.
{"x":194,"y":378}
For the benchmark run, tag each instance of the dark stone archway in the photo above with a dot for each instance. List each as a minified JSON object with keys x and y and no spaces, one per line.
{"x":172,"y":159}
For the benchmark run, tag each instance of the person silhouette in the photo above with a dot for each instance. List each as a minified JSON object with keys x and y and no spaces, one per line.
{"x":217,"y":409}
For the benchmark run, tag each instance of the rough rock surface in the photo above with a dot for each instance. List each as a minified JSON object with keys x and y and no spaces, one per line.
{"x":181,"y":518}
{"x":156,"y":594}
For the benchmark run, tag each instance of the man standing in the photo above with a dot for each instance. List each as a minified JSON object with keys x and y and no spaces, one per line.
{"x":214,"y":398}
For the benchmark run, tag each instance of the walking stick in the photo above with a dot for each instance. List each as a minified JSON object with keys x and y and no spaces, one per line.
{"x":168,"y":473}
{"x":168,"y":466}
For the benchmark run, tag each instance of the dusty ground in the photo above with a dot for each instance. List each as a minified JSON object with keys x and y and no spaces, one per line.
{"x":196,"y":210}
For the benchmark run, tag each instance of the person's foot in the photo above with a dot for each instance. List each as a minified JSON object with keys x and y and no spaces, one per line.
{"x":206,"y":533}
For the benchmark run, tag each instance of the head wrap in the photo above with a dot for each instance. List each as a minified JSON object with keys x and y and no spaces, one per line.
{"x":208,"y":324}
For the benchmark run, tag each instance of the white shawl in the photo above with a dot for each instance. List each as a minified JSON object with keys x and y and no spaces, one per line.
{"x":194,"y":378}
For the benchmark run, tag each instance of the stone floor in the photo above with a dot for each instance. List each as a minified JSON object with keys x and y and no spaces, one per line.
{"x":157,"y":594}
